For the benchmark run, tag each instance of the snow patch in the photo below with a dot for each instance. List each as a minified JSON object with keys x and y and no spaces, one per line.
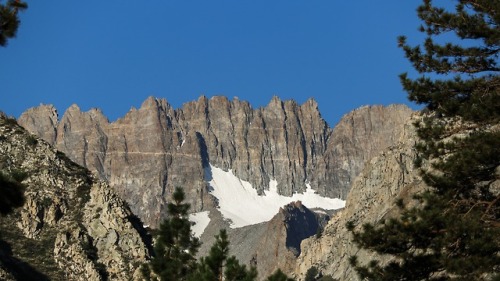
{"x":241,"y":205}
{"x":201,"y":221}
{"x":319,"y":212}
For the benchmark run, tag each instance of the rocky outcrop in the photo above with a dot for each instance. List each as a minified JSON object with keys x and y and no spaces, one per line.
{"x":357,"y":138}
{"x":72,"y":226}
{"x":155,"y":148}
{"x":273,"y":244}
{"x":386,"y":178}
{"x":41,"y":121}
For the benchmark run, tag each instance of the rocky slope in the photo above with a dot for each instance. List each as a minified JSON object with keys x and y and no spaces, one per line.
{"x":72,"y":226}
{"x":386,"y":178}
{"x":276,"y":243}
{"x":155,"y":148}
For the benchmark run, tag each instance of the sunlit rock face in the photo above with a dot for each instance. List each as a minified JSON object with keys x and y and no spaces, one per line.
{"x":387,"y":177}
{"x":72,"y":225}
{"x":155,"y":148}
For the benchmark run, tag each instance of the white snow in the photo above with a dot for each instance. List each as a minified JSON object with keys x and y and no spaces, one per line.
{"x":200,"y":221}
{"x":320,"y":212}
{"x":240,"y":203}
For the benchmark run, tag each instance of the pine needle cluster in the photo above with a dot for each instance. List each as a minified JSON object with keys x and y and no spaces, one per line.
{"x":9,"y":20}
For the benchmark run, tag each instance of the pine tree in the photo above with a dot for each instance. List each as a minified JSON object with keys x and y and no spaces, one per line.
{"x":175,"y":250}
{"x":175,"y":246}
{"x":454,"y":231}
{"x":278,"y":275}
{"x":218,"y":266}
{"x":473,"y":92}
{"x":312,"y":274}
{"x":239,"y":272}
{"x":9,"y":20}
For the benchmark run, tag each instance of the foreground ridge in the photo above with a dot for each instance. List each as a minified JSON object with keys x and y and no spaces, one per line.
{"x":72,"y":226}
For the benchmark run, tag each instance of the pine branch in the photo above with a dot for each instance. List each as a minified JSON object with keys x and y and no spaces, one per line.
{"x":490,"y":205}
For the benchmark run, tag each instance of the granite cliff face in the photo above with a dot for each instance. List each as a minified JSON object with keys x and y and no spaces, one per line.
{"x":359,"y":136}
{"x":155,"y":148}
{"x":385,"y":178}
{"x":72,"y":226}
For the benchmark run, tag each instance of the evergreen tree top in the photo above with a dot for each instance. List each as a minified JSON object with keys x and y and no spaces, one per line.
{"x":9,"y":20}
{"x":472,"y":60}
{"x":453,"y":232}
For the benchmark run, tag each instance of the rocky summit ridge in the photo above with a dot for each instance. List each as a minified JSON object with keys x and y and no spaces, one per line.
{"x":151,"y":150}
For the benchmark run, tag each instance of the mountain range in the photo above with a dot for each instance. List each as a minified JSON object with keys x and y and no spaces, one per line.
{"x":155,"y":148}
{"x":225,"y":154}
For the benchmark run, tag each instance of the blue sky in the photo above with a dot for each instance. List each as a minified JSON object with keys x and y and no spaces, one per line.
{"x":114,"y":54}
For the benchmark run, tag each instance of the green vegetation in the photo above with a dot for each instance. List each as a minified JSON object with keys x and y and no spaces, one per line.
{"x":83,"y":192}
{"x":313,"y":274}
{"x":175,"y":249}
{"x":31,"y":140}
{"x":9,"y":20}
{"x":453,"y":233}
{"x":9,"y":121}
{"x":46,"y":202}
{"x":27,"y":258}
{"x":62,"y":155}
{"x":219,"y":266}
{"x":19,"y":175}
{"x":11,"y":192}
{"x":278,"y":275}
{"x":75,"y":169}
{"x":11,"y":125}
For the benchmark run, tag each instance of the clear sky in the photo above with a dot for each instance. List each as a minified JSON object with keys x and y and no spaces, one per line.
{"x":113,"y":54}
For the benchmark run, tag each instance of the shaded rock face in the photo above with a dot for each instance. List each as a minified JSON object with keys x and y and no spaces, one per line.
{"x":72,"y":226}
{"x":386,"y":178}
{"x":276,"y":243}
{"x":301,"y":223}
{"x":155,"y":148}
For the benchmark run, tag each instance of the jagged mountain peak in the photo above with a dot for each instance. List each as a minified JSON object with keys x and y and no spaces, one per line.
{"x":148,"y":152}
{"x":153,"y":102}
{"x":275,"y":102}
{"x":73,"y":107}
{"x":42,"y":121}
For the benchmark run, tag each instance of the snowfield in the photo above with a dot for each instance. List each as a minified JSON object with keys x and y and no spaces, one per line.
{"x":241,"y":205}
{"x":201,"y":221}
